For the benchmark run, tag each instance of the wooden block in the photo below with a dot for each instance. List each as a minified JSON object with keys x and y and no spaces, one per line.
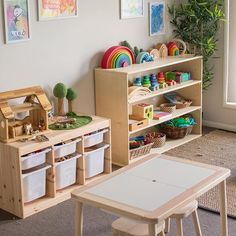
{"x":143,"y":110}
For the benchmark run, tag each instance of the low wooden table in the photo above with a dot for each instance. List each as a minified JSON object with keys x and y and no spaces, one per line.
{"x":152,"y":189}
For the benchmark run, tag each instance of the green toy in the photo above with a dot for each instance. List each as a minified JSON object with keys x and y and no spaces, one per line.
{"x":71,"y":96}
{"x":60,"y":92}
{"x":146,"y":81}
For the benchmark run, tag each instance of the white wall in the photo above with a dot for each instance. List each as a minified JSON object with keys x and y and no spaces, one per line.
{"x":68,"y":50}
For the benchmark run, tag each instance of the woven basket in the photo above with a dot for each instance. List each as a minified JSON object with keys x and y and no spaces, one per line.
{"x":140,"y":151}
{"x":157,"y":141}
{"x":175,"y":132}
{"x":183,"y":105}
{"x":168,"y":107}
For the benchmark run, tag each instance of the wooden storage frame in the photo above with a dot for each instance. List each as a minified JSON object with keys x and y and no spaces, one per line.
{"x":11,"y":189}
{"x":112,"y":101}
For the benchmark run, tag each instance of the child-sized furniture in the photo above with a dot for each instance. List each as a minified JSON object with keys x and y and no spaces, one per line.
{"x":126,"y":227}
{"x":113,"y":101}
{"x":73,"y":158}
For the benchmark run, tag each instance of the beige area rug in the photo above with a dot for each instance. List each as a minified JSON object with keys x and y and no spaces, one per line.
{"x":216,"y":148}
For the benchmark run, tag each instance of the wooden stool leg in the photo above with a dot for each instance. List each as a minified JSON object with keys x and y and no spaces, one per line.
{"x":179,"y":225}
{"x":196,"y":223}
{"x":167,"y":225}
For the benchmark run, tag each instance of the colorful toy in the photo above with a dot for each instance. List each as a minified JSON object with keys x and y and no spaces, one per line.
{"x":143,"y":110}
{"x":146,"y":81}
{"x":173,"y":50}
{"x":71,"y":96}
{"x":144,"y":57}
{"x":137,"y":82}
{"x":171,"y":82}
{"x":179,"y":77}
{"x":117,"y":57}
{"x":60,"y":92}
{"x":178,"y":100}
{"x":161,"y":80}
{"x":155,"y":54}
{"x":154,"y":84}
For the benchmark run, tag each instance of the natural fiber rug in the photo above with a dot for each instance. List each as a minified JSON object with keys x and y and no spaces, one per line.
{"x":216,"y":148}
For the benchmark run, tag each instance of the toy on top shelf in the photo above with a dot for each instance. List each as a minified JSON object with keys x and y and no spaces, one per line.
{"x":155,"y":54}
{"x":60,"y":92}
{"x":161,"y":80}
{"x":176,"y":47}
{"x":36,"y":106}
{"x":71,"y":96}
{"x":117,"y":57}
{"x":144,"y":57}
{"x":163,"y":50}
{"x":143,"y":110}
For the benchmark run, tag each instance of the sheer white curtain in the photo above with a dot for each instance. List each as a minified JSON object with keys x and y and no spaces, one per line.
{"x":230,"y":55}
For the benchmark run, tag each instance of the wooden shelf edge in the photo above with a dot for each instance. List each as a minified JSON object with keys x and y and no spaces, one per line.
{"x":166,"y":90}
{"x":177,"y":113}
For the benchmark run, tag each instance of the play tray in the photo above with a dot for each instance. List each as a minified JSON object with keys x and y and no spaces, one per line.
{"x":137,"y":123}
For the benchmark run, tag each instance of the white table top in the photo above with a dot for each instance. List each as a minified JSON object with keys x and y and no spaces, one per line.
{"x":152,"y":184}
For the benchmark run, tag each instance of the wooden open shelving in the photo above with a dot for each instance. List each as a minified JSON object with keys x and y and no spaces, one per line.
{"x":112,"y":101}
{"x":11,"y":180}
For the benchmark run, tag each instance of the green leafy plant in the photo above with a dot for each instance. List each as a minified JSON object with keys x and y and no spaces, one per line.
{"x":197,"y":23}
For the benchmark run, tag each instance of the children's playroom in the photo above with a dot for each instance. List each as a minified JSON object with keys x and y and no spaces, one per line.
{"x":117,"y":118}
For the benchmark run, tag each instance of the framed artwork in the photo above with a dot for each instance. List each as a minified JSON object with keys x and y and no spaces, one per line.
{"x":157,"y":18}
{"x":17,"y":22}
{"x":131,"y":8}
{"x":57,"y":9}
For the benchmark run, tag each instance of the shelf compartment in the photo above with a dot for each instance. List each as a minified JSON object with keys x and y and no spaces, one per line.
{"x":165,"y":90}
{"x":177,"y":113}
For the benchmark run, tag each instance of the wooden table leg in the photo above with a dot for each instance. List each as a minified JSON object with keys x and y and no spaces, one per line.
{"x":152,"y":230}
{"x":79,"y":219}
{"x":223,"y":209}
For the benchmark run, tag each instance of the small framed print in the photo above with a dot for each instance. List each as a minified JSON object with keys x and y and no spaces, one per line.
{"x":157,"y":15}
{"x":17,"y":21}
{"x":131,"y":9}
{"x":57,"y":9}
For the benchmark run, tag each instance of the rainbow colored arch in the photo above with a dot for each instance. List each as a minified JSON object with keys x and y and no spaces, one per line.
{"x":117,"y":57}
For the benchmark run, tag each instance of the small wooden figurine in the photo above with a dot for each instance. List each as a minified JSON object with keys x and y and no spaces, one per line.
{"x":143,"y":110}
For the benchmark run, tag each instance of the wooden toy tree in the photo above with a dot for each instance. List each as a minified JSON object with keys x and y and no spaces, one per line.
{"x":71,"y":96}
{"x":60,"y":92}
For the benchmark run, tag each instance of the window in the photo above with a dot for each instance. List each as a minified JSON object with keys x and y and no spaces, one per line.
{"x":230,"y":55}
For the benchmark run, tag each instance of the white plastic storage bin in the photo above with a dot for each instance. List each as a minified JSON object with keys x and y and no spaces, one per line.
{"x":66,"y":172}
{"x":94,"y":160}
{"x":94,"y":138}
{"x":34,"y":184}
{"x":34,"y":159}
{"x":62,"y":150}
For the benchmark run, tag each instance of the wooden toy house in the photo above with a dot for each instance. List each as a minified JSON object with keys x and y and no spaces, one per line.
{"x":34,"y":109}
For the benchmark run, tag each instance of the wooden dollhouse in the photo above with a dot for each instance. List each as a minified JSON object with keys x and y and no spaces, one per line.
{"x":34,"y":109}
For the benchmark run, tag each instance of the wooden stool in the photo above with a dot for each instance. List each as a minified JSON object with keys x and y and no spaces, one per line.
{"x":127,"y":227}
{"x":182,"y":213}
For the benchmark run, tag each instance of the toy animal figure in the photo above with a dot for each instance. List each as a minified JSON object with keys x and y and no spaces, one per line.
{"x":28,"y":129}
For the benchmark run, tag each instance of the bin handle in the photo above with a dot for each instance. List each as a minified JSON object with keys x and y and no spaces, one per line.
{"x":23,"y":158}
{"x":100,"y":132}
{"x":38,"y":170}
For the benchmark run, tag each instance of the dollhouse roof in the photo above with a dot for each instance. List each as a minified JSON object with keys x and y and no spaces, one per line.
{"x":32,"y":95}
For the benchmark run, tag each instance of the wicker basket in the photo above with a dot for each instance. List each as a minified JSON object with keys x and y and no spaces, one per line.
{"x":158,"y":139}
{"x":183,"y":105}
{"x":175,"y":132}
{"x":168,"y":107}
{"x":143,"y":150}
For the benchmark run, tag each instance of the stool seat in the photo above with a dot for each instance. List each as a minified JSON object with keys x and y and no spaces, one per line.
{"x":186,"y":210}
{"x":127,"y":227}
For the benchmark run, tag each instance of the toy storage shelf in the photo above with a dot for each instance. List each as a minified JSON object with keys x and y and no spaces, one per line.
{"x":12,"y":197}
{"x":112,"y":101}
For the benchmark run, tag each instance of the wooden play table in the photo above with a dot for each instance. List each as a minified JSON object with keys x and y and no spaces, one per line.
{"x":150,"y":190}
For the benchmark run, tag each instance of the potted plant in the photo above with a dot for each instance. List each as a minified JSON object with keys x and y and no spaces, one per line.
{"x":197,"y":22}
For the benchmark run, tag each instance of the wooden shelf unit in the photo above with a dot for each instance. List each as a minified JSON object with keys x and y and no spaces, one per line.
{"x":112,"y":101}
{"x":11,"y":184}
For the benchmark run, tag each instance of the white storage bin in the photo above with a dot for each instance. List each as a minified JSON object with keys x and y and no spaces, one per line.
{"x":94,"y":161}
{"x":34,"y":184}
{"x":34,"y":159}
{"x":65,"y":149}
{"x":94,"y":139}
{"x":66,"y":172}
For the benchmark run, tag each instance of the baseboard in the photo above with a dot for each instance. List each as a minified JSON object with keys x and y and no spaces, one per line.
{"x":218,"y":125}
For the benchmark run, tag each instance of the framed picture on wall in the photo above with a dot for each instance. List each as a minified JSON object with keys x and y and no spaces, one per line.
{"x":17,"y":20}
{"x":157,"y":17}
{"x":57,"y":9}
{"x":131,"y":8}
